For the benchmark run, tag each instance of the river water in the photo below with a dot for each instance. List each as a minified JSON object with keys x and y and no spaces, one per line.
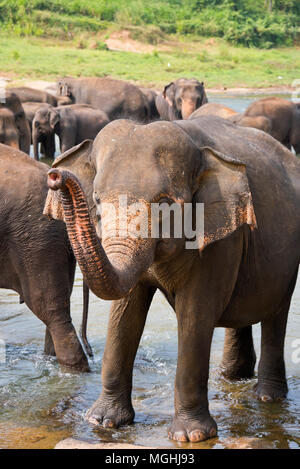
{"x":40,"y":405}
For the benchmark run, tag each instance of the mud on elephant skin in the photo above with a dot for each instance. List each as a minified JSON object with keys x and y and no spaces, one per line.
{"x":35,"y":254}
{"x":245,"y":262}
{"x":180,"y":99}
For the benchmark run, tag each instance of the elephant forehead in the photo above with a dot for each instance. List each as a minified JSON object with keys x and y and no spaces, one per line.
{"x":143,"y":144}
{"x":148,"y":159}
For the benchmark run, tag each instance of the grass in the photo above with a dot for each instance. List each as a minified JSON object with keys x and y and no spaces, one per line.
{"x":218,"y":64}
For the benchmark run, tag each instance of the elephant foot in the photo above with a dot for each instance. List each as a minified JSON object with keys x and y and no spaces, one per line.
{"x":271,"y":392}
{"x":110,"y":413}
{"x":192,"y":429}
{"x":238,"y":371}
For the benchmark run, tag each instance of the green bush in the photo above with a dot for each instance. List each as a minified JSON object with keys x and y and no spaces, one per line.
{"x":246,"y":22}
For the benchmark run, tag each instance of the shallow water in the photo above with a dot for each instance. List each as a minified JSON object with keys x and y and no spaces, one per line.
{"x":40,"y":405}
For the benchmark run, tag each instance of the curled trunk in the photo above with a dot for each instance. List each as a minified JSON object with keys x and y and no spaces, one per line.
{"x":109,"y":276}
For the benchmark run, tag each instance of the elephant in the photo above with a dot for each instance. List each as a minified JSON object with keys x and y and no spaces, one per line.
{"x":116,"y":98}
{"x":236,"y":269}
{"x":284,"y":116}
{"x":216,"y":109}
{"x":213,"y":109}
{"x":26,"y":94}
{"x":36,"y":258}
{"x":9,"y":134}
{"x":73,"y":124}
{"x":257,"y":122}
{"x":12,"y":103}
{"x":151,"y":96}
{"x":180,"y":99}
{"x":48,"y":142}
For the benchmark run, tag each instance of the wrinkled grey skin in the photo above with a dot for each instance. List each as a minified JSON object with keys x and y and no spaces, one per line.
{"x":9,"y":134}
{"x":116,"y":98}
{"x":284,"y":116}
{"x":180,"y":99}
{"x":26,"y":94}
{"x":151,"y":96}
{"x":243,"y":271}
{"x":36,"y":258}
{"x":73,"y":124}
{"x":13,"y":104}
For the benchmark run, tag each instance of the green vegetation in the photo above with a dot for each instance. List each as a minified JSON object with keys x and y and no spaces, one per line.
{"x":223,"y":42}
{"x":217,"y":64}
{"x":259,"y":23}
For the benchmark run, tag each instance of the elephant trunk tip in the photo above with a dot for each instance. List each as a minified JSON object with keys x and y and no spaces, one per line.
{"x":55,"y":179}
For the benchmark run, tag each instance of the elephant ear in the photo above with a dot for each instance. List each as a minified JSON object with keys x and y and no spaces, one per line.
{"x":169,"y":93}
{"x":53,"y":118}
{"x":77,"y":160}
{"x":224,"y":190}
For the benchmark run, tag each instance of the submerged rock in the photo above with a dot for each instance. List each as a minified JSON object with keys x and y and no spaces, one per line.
{"x":73,"y":443}
{"x":247,"y":443}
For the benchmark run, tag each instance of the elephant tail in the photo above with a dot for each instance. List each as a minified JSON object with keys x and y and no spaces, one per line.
{"x":85,"y":312}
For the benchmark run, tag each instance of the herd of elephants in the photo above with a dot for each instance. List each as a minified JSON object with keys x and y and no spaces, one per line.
{"x":170,"y":147}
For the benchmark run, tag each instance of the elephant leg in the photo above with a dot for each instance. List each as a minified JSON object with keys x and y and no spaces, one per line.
{"x":126,"y":325}
{"x":49,"y":346}
{"x":271,"y":385}
{"x":67,"y":346}
{"x":239,"y":356}
{"x":192,"y":421}
{"x":56,"y":316}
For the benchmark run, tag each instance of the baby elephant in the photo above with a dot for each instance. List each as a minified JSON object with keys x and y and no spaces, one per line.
{"x":73,"y":124}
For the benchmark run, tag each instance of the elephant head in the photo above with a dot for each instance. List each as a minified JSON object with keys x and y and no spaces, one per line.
{"x":184,"y":96}
{"x":43,"y":130}
{"x":64,"y":89}
{"x":13,"y":104}
{"x":154,"y":163}
{"x":9,"y":134}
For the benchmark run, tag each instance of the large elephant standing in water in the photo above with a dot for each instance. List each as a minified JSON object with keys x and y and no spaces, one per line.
{"x":180,"y":99}
{"x":35,"y":254}
{"x":241,"y":271}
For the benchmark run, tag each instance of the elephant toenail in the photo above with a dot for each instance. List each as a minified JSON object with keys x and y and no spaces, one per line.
{"x":107,"y":423}
{"x":93,"y":420}
{"x":196,"y":436}
{"x":180,"y":436}
{"x":266,"y":398}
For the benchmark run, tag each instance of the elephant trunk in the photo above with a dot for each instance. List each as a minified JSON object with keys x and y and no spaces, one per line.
{"x":109,"y":276}
{"x":188,"y":107}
